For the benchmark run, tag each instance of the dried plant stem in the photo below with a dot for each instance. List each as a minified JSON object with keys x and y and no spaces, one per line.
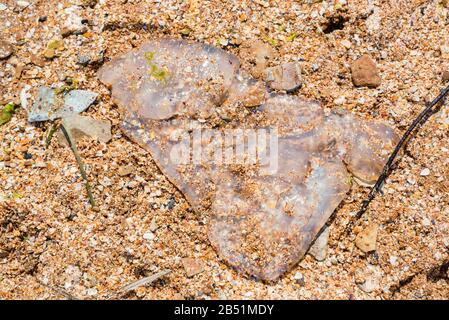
{"x":138,"y":283}
{"x":72,"y":144}
{"x":422,"y":117}
{"x":54,"y":127}
{"x":60,"y":291}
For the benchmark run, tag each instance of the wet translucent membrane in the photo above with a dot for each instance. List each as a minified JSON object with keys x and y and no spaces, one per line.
{"x":192,"y":108}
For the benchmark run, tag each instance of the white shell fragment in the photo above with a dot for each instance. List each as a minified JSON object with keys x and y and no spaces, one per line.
{"x":49,"y":106}
{"x":192,"y":108}
{"x":81,"y":126}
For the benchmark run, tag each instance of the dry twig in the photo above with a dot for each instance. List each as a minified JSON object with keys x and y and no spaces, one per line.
{"x":421,"y":119}
{"x":139,"y":283}
{"x":72,"y":144}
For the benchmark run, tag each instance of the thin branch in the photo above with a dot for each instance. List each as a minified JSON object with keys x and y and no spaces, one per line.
{"x":139,"y":283}
{"x":423,"y":116}
{"x":54,"y":127}
{"x":72,"y":144}
{"x":59,"y":290}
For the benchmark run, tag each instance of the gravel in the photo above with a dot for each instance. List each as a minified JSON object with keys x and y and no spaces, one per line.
{"x":48,"y":225}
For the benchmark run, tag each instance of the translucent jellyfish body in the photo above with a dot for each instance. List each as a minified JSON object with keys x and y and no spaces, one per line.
{"x":267,"y":170}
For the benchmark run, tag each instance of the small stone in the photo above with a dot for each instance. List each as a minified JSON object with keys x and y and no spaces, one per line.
{"x":393,"y":260}
{"x":319,"y":248}
{"x":346,"y":43}
{"x":55,"y":44}
{"x":284,"y":77}
{"x":27,"y":156}
{"x":40,"y":164}
{"x":23,"y":4}
{"x":333,"y":260}
{"x":445,"y":75}
{"x":171,"y":203}
{"x":444,"y":49}
{"x":106,"y":182}
{"x":126,"y":170}
{"x":153,"y":225}
{"x":73,"y":23}
{"x":192,"y":266}
{"x":3,"y":254}
{"x":87,"y":3}
{"x":37,"y":60}
{"x":65,"y":32}
{"x":446,"y":242}
{"x":223,"y":42}
{"x":185,"y":31}
{"x":425,"y":172}
{"x":426,"y":222}
{"x":6,"y":49}
{"x":340,"y":101}
{"x":299,"y":278}
{"x":49,"y":53}
{"x":365,"y":72}
{"x":373,"y":22}
{"x":148,"y":236}
{"x":366,"y":239}
{"x":83,"y":60}
{"x":369,"y":285}
{"x":92,"y":292}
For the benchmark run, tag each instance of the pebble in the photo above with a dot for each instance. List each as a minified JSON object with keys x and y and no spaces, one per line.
{"x":92,"y":292}
{"x":40,"y":164}
{"x":393,"y":260}
{"x":299,"y":278}
{"x":367,"y":238}
{"x":333,"y":261}
{"x":425,"y":172}
{"x":37,"y":60}
{"x":148,"y":236}
{"x":83,"y":60}
{"x":373,"y":22}
{"x":106,"y":182}
{"x":369,"y":285}
{"x":284,"y":77}
{"x":65,"y":32}
{"x":340,"y":101}
{"x":49,"y":53}
{"x":23,"y":4}
{"x":171,"y":203}
{"x":3,"y":254}
{"x":444,"y":49}
{"x":5,"y":49}
{"x":73,"y":22}
{"x":426,"y":222}
{"x":319,"y":248}
{"x":346,"y":43}
{"x":445,"y":75}
{"x":126,"y":170}
{"x":365,"y":73}
{"x":153,"y":225}
{"x":192,"y":266}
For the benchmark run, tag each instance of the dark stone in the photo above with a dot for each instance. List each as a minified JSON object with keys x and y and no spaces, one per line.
{"x":28,"y":156}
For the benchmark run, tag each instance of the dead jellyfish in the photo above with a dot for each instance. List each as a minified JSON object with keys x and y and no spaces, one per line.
{"x":267,"y":169}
